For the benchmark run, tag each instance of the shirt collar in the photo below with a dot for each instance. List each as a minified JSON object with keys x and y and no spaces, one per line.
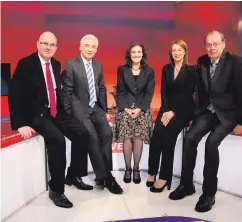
{"x":216,"y":61}
{"x":43,"y":62}
{"x":85,"y":61}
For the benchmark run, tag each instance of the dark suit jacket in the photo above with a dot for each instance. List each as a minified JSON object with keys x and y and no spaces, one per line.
{"x":177,"y":94}
{"x":226,"y":88}
{"x":129,"y":91}
{"x":75,"y":87}
{"x":28,"y":93}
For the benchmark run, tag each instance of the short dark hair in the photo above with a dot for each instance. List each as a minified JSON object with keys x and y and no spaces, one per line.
{"x":128,"y":60}
{"x":212,"y":32}
{"x":183,"y":45}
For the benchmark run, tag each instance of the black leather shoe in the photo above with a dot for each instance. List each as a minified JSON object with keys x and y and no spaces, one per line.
{"x":78,"y":183}
{"x":205,"y":203}
{"x":136,"y":176}
{"x":150,"y":183}
{"x":181,"y":191}
{"x":154,"y":189}
{"x":113,"y":186}
{"x":127,"y":175}
{"x":60,"y":200}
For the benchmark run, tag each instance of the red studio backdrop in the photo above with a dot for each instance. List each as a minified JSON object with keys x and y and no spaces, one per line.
{"x":116,"y":24}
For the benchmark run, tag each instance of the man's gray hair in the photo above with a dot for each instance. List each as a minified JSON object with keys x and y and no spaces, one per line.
{"x":88,"y":36}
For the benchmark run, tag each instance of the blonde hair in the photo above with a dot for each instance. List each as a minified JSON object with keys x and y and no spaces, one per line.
{"x":183,"y":45}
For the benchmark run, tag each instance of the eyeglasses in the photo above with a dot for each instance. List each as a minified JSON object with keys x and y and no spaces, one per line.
{"x":46,"y":44}
{"x":215,"y":45}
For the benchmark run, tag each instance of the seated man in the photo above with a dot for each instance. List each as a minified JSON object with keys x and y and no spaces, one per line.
{"x":35,"y":104}
{"x":219,"y":98}
{"x":85,"y":98}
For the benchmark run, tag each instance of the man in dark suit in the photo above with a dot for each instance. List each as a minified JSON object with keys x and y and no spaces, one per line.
{"x":219,"y":97}
{"x":85,"y":98}
{"x":36,"y":105}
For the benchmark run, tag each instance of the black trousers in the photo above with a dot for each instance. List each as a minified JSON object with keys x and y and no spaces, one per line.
{"x":204,"y":123}
{"x":164,"y":140}
{"x":53,"y":130}
{"x":100,"y":147}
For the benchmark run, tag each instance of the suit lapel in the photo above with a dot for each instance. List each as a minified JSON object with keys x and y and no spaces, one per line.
{"x":220,"y":67}
{"x":129,"y":76}
{"x":181,"y":75}
{"x":56,"y":74}
{"x":40,"y":75}
{"x":205,"y":69}
{"x":96,"y":74}
{"x":82,"y":72}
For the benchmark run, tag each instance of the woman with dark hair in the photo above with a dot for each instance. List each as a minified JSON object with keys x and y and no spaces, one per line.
{"x":133,"y":122}
{"x":177,"y":89}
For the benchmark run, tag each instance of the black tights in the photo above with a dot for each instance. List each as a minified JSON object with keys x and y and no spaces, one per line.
{"x":135,"y":147}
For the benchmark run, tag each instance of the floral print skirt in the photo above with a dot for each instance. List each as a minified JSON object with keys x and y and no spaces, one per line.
{"x":125,"y":127}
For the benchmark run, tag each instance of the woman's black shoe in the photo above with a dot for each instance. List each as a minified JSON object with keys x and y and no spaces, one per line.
{"x":136,"y":176}
{"x":127,"y":176}
{"x":153,"y":189}
{"x":150,"y":183}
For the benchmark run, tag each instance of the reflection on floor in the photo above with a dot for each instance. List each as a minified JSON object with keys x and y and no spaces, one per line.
{"x":136,"y":202}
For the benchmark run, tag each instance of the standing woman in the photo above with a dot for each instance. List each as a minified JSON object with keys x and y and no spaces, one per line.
{"x":133,"y":122}
{"x":178,"y":86}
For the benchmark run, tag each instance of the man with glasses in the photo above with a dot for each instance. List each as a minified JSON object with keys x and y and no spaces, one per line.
{"x":36,"y":105}
{"x":219,"y":100}
{"x":85,"y":98}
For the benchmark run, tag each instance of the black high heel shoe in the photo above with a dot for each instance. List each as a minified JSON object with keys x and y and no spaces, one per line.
{"x":136,"y":176}
{"x":153,"y":189}
{"x":127,"y":175}
{"x":150,"y":183}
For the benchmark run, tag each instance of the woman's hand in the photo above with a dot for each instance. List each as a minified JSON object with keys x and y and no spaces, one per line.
{"x":133,"y":112}
{"x":166,"y":117}
{"x":129,"y":111}
{"x":136,"y":112}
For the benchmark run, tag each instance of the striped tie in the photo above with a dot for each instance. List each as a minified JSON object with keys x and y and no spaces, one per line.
{"x":210,"y":79}
{"x":91,"y":84}
{"x":212,"y":71}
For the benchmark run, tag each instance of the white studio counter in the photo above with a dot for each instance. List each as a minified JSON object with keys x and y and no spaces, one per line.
{"x":24,"y":174}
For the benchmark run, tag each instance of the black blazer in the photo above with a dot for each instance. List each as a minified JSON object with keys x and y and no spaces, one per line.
{"x":226,"y":88}
{"x":177,"y":94}
{"x":28,"y":93}
{"x":130,"y":91}
{"x":75,"y":87}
